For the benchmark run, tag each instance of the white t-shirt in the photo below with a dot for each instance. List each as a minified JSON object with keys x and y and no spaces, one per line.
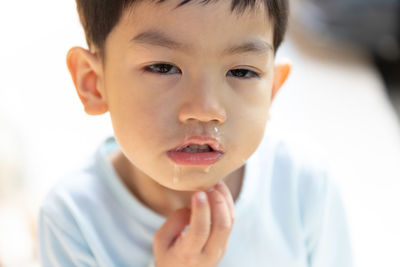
{"x":288,"y":213}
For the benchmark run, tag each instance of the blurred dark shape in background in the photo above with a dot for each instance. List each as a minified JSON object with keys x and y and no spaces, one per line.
{"x":373,"y":25}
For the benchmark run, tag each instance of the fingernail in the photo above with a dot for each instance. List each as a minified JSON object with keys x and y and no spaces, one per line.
{"x":201,"y":197}
{"x":219,"y":184}
{"x":210,"y":189}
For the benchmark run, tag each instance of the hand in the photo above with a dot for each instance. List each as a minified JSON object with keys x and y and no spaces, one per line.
{"x":210,"y":220}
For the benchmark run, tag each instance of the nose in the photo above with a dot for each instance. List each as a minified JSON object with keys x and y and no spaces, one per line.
{"x":202,"y":103}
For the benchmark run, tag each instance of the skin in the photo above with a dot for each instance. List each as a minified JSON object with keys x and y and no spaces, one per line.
{"x":201,"y":92}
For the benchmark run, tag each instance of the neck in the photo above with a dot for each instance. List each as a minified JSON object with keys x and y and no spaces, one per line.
{"x":163,"y":200}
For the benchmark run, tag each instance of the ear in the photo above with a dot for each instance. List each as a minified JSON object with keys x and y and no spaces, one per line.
{"x":87,"y":74}
{"x":281,"y":73}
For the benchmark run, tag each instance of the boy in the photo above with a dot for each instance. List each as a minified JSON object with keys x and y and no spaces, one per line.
{"x":188,"y":179}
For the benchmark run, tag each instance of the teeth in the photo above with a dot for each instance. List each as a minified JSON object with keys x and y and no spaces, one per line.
{"x":193,"y":148}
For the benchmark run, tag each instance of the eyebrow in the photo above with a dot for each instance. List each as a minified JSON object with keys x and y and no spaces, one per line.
{"x":157,"y":38}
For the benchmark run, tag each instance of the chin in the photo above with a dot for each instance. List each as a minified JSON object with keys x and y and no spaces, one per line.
{"x":191,"y":178}
{"x":182,"y":186}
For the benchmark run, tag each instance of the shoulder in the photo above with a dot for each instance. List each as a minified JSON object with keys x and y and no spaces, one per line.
{"x":75,"y":192}
{"x":300,"y":178}
{"x":300,"y":162}
{"x":62,"y":240}
{"x":302,"y":200}
{"x":71,"y":204}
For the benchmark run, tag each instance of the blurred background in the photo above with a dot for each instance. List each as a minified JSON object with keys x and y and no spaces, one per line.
{"x":343,"y":97}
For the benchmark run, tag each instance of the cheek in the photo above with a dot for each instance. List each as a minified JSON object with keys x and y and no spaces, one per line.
{"x":250,"y":126}
{"x":253,"y":102}
{"x":139,"y":120}
{"x":254,"y":92}
{"x":156,"y":122}
{"x":249,"y":117}
{"x":248,"y":135}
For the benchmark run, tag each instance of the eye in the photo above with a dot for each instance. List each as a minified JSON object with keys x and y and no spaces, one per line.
{"x":243,"y":73}
{"x":162,"y":68}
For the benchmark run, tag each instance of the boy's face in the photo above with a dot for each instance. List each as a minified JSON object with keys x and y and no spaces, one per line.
{"x":196,"y":90}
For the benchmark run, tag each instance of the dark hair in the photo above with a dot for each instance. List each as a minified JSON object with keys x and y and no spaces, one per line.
{"x":99,"y":17}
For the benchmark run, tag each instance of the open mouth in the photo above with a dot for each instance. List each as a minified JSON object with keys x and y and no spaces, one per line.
{"x":197,"y":152}
{"x":194,"y":148}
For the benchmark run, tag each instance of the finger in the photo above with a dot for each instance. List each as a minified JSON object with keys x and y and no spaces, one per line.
{"x":221,"y":223}
{"x":224,"y":190}
{"x":199,"y":228}
{"x":171,"y":229}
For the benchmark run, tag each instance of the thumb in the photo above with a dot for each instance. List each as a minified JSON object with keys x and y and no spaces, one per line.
{"x":171,"y":229}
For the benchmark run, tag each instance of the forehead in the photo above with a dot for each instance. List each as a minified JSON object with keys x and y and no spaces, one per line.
{"x":238,"y":7}
{"x":197,"y":26}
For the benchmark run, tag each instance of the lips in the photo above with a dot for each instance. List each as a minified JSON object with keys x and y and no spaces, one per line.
{"x":197,"y":151}
{"x":200,"y":141}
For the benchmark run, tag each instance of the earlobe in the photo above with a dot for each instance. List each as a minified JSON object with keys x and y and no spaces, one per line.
{"x":86,"y":72}
{"x":281,"y":73}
